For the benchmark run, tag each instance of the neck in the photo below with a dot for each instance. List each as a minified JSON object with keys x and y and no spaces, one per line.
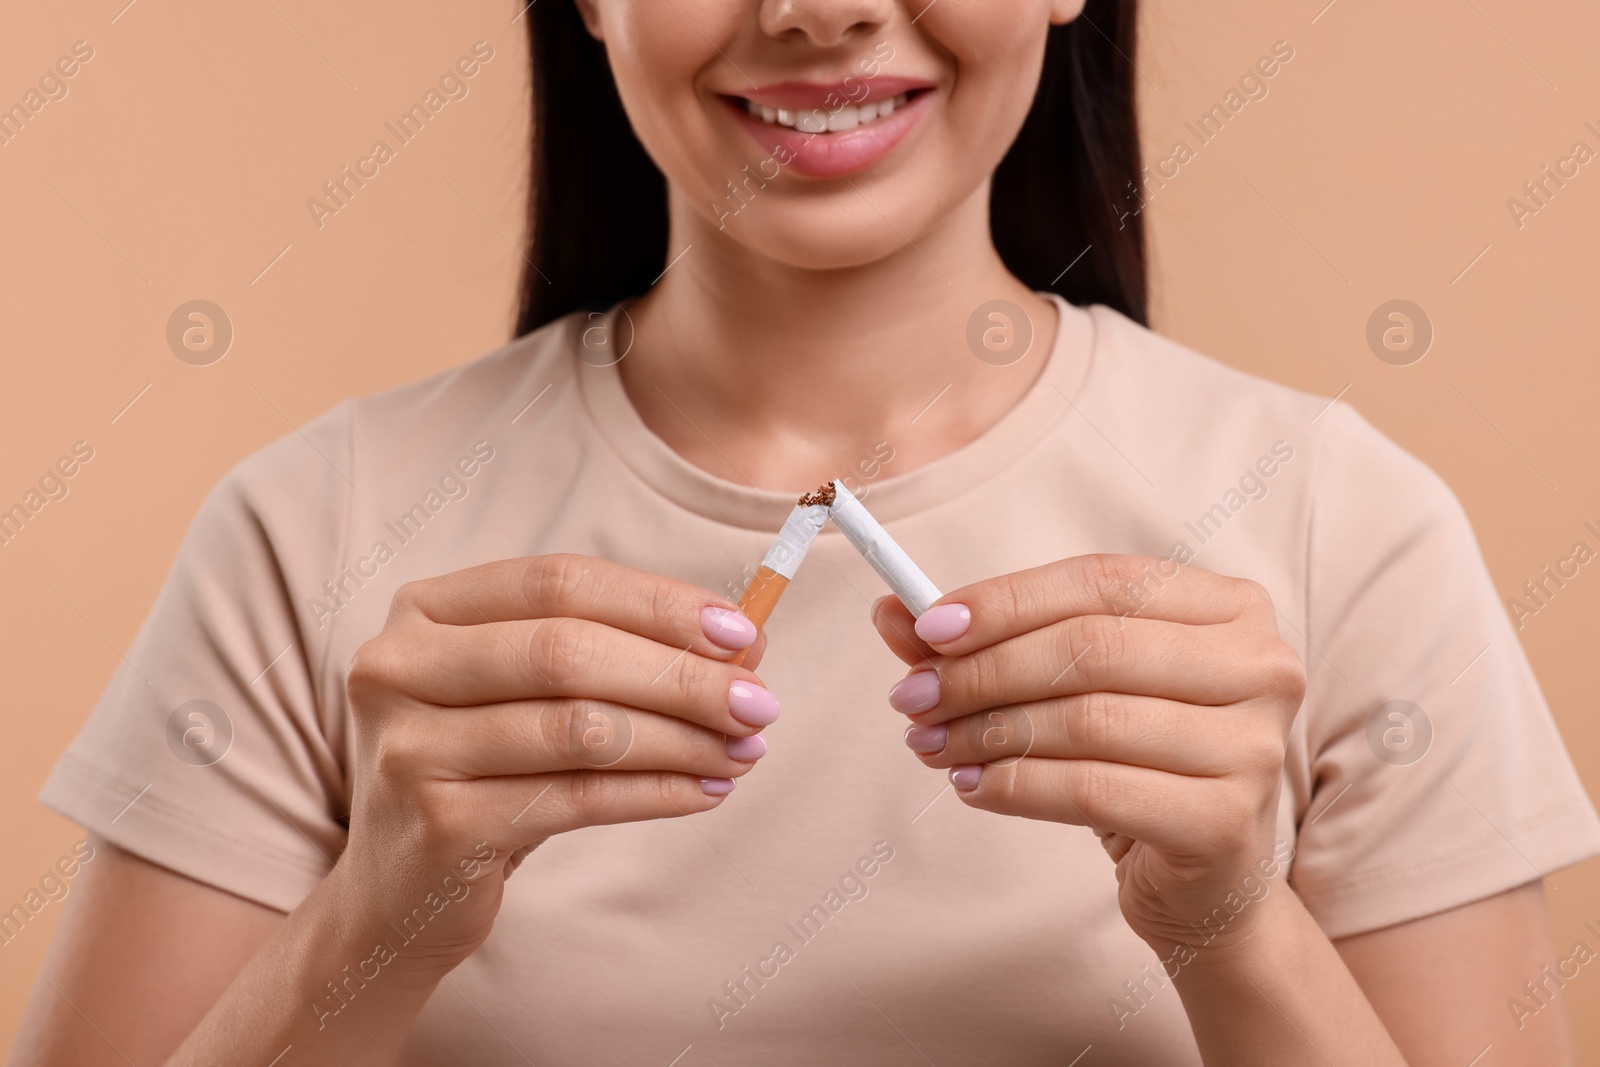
{"x":783,"y":377}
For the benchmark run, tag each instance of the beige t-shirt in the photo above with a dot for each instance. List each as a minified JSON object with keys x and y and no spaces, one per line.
{"x":912,"y":928}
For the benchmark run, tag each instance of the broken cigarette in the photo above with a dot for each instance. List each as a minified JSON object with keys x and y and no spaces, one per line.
{"x":913,"y":588}
{"x":810,"y":514}
{"x":800,"y":529}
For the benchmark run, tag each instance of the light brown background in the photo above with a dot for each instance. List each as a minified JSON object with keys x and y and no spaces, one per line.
{"x":178,"y":168}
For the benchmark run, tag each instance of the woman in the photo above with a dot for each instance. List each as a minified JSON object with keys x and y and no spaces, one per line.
{"x":1244,"y":762}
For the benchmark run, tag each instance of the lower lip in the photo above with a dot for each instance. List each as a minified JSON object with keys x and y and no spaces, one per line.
{"x":834,"y":155}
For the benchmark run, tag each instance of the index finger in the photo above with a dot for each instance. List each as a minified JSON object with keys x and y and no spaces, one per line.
{"x":572,"y":586}
{"x":995,"y":609}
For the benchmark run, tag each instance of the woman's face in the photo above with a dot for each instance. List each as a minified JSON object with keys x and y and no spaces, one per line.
{"x":825,"y":133}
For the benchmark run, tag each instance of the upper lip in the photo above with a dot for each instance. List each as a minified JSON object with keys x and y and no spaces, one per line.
{"x":805,"y":95}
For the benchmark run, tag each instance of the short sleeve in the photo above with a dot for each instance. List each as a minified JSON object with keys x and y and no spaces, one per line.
{"x":1436,"y":774}
{"x":208,"y":752}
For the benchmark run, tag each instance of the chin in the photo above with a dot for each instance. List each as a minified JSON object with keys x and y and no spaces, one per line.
{"x":845,"y":240}
{"x":848,"y":225}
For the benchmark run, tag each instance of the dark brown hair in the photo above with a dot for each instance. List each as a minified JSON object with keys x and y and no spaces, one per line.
{"x":597,"y":204}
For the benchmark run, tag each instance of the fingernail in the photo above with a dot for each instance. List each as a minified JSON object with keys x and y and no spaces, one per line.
{"x":752,"y":705}
{"x":730,"y":629}
{"x":915,"y":692}
{"x":717,"y":787}
{"x":749,"y":749}
{"x":943,"y":623}
{"x":927,"y":739}
{"x":966,"y":776}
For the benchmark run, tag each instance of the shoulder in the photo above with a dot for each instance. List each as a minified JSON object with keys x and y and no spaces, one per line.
{"x":284,"y":514}
{"x":357,"y":446}
{"x":1173,"y":376}
{"x":1202,"y":408}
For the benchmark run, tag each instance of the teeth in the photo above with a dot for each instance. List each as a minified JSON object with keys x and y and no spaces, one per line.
{"x":821,"y":120}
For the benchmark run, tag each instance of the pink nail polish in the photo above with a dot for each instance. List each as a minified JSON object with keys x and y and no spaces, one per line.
{"x":730,"y":629}
{"x":966,"y":776}
{"x":747,"y":749}
{"x":717,"y":787}
{"x":752,"y":705}
{"x":915,"y":692}
{"x":927,"y":739}
{"x":943,"y":623}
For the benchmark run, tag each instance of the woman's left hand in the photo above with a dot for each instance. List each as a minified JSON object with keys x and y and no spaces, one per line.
{"x":1146,"y":700}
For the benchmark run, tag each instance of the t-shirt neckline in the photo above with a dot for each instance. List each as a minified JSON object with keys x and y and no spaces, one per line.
{"x":1069,"y":363}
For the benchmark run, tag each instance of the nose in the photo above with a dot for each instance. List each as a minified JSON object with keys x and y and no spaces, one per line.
{"x":824,"y":22}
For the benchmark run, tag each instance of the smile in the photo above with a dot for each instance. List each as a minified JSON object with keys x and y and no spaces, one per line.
{"x":820,"y":120}
{"x":819,"y":131}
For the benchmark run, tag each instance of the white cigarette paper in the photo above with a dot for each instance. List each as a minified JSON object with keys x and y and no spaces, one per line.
{"x":793,"y":541}
{"x":907,"y":581}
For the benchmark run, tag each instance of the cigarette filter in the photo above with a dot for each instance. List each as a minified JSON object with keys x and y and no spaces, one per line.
{"x":913,"y":588}
{"x":782,"y":560}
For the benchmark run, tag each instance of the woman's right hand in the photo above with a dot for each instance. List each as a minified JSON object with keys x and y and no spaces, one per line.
{"x":508,"y":702}
{"x":500,"y":705}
